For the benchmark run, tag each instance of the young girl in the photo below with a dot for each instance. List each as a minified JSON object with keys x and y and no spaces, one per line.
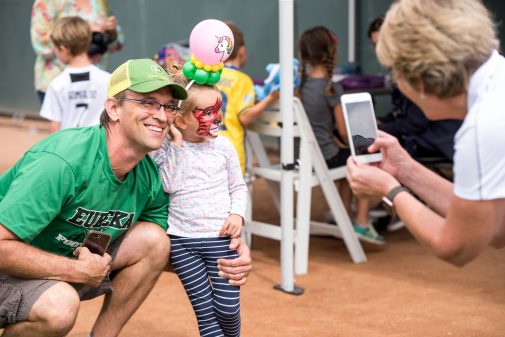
{"x":321,"y":100}
{"x":208,"y":198}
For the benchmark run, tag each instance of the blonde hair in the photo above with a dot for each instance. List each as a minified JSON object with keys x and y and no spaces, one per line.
{"x":72,"y":32}
{"x":174,"y":69}
{"x":435,"y":45}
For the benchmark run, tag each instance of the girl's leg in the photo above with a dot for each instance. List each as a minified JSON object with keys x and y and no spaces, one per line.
{"x":187,"y":261}
{"x":363,"y":227}
{"x":346,"y":194}
{"x":362,"y":213}
{"x":226,"y":296}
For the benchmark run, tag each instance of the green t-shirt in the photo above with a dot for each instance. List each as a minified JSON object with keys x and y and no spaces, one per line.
{"x":64,"y":186}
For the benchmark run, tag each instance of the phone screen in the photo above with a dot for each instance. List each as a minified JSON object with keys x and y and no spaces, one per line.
{"x":362,"y":126}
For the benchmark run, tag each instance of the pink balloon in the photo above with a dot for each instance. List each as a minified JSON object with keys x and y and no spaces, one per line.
{"x":211,"y":41}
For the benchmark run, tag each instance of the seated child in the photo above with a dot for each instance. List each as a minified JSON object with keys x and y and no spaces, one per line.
{"x":321,"y":101}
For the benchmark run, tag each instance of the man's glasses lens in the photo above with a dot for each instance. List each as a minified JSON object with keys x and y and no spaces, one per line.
{"x":153,"y":105}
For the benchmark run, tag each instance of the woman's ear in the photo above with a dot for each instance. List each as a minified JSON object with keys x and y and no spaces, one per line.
{"x":112,"y":107}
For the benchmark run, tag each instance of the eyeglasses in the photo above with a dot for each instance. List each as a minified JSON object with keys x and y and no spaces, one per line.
{"x":153,"y":106}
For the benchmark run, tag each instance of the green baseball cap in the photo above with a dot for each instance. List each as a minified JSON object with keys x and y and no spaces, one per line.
{"x":143,"y":75}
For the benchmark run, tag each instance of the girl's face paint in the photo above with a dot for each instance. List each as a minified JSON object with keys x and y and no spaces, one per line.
{"x":209,"y":119}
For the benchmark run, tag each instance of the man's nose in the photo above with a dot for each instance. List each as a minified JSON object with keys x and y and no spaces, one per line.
{"x":161,"y":115}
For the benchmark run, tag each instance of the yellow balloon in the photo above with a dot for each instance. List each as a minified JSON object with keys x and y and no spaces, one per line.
{"x":215,"y":68}
{"x":198,"y":64}
{"x":207,"y":67}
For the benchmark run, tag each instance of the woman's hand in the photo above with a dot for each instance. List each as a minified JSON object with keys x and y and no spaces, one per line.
{"x":368,"y":181}
{"x":395,"y":160}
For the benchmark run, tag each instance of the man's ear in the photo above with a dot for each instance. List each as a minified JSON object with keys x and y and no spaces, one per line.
{"x":112,"y":107}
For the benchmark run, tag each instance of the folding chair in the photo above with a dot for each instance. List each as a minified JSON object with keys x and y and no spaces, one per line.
{"x":312,"y":171}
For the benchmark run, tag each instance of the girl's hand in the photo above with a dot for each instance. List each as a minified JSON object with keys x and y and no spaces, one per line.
{"x":232,"y":226}
{"x":175,"y":135}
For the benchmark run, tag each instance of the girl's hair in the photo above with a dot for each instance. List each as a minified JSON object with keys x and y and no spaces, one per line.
{"x":73,"y":33}
{"x":318,"y":46}
{"x":436,"y":45}
{"x":174,"y":69}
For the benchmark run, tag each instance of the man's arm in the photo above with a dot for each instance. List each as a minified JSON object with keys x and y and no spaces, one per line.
{"x":22,"y":260}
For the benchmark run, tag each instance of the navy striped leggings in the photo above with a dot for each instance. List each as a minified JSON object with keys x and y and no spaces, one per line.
{"x":216,"y":303}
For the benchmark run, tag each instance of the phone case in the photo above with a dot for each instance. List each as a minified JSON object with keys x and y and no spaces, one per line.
{"x":363,"y":131}
{"x":97,"y":242}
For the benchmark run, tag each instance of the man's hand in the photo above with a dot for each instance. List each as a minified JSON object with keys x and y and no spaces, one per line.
{"x":238,"y":269}
{"x":232,"y":226}
{"x":92,"y":267}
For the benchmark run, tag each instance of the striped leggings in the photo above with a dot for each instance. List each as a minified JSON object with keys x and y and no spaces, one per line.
{"x":216,"y":303}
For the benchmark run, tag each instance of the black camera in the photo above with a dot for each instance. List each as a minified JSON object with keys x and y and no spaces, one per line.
{"x":99,"y":43}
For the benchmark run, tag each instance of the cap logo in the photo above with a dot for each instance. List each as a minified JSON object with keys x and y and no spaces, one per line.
{"x":155,"y":69}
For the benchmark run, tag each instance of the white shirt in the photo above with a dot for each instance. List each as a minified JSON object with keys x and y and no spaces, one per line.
{"x":75,"y":97}
{"x":479,"y":160}
{"x":205,"y":184}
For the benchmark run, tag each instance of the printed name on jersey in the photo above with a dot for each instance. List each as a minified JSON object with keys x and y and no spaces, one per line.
{"x":95,"y":219}
{"x":82,"y":94}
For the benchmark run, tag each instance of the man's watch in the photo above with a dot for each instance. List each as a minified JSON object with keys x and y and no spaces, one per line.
{"x":388,"y":199}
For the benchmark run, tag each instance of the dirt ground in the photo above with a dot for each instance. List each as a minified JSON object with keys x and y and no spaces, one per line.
{"x":401,"y":291}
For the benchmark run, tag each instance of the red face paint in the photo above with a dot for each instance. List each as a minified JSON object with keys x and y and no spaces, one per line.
{"x":209,"y":119}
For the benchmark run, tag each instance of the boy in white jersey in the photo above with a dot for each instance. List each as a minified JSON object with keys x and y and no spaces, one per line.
{"x":75,"y":97}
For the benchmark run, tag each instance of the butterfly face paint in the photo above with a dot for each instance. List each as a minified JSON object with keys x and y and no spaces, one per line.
{"x":209,"y":119}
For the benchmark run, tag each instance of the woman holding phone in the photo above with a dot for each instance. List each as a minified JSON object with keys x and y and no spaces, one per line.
{"x":444,"y":57}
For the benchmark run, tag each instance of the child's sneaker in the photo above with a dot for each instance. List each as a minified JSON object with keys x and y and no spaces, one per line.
{"x":368,"y":234}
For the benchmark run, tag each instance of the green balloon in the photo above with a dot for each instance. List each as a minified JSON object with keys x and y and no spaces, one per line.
{"x":201,"y":76}
{"x":188,"y":69}
{"x":214,"y":78}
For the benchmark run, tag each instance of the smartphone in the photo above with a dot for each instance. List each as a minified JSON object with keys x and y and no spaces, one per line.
{"x":361,"y":126}
{"x":97,"y":242}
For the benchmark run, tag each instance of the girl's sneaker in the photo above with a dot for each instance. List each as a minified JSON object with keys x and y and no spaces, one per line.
{"x":368,"y":234}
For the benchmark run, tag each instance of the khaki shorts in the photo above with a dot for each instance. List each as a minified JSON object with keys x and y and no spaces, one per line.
{"x":17,"y":295}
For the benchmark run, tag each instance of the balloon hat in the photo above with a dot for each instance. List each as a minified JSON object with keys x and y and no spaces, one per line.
{"x":211,"y":43}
